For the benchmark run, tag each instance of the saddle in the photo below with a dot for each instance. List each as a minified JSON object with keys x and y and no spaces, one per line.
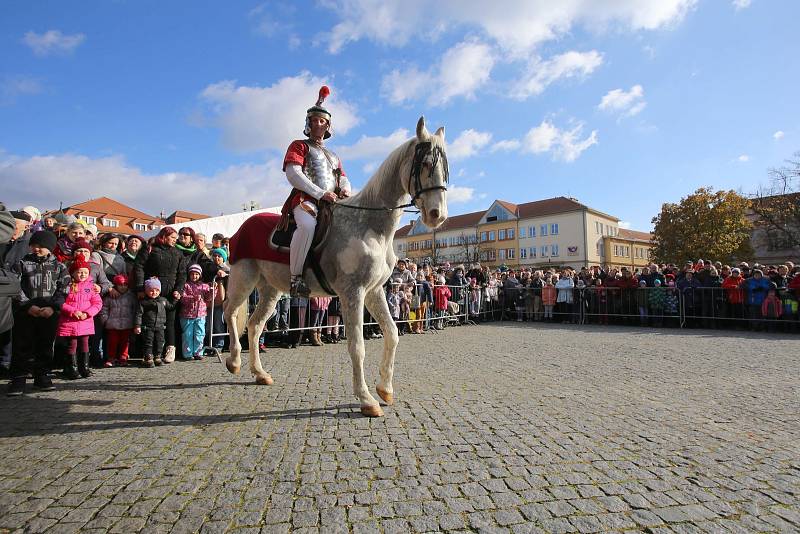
{"x":281,"y":238}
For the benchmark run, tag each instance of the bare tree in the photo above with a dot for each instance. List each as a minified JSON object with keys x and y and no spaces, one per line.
{"x":777,"y":206}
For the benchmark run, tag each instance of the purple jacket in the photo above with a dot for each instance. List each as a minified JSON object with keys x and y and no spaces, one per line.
{"x":81,"y":297}
{"x":195,"y":297}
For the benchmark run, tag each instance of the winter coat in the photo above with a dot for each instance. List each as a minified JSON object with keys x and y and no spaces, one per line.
{"x":440,"y":296}
{"x":196,"y":256}
{"x":656,"y":297}
{"x":130,"y":266}
{"x":393,"y":301}
{"x":733,"y":290}
{"x":119,"y":313}
{"x":152,"y":313}
{"x":98,"y":276}
{"x":671,"y":301}
{"x":794,"y":285}
{"x":772,"y":307}
{"x":43,"y":282}
{"x":756,"y":290}
{"x":549,"y":294}
{"x":111,"y":262}
{"x":423,"y":289}
{"x":565,"y":288}
{"x":458,"y":284}
{"x":164,"y":262}
{"x":687,"y":288}
{"x":80,"y":298}
{"x":14,"y":250}
{"x":195,"y":299}
{"x":320,"y":303}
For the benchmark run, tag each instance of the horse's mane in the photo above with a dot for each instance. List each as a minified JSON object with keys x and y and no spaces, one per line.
{"x":372,"y":193}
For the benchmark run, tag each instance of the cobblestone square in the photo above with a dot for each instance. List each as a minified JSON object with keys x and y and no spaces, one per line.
{"x":496,"y":428}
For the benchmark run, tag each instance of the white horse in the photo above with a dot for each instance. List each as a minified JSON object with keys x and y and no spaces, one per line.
{"x":357,"y":260}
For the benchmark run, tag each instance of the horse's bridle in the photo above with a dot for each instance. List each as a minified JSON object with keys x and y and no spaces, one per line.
{"x":422,"y":151}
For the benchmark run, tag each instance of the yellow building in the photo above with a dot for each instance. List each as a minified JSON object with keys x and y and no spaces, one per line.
{"x":628,"y":248}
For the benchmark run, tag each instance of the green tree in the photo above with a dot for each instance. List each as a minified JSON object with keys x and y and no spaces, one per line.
{"x":706,"y":224}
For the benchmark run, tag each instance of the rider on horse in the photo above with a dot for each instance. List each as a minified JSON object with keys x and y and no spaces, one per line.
{"x":316,"y":175}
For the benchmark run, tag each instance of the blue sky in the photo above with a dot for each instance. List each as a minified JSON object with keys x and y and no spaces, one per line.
{"x":190,"y":105}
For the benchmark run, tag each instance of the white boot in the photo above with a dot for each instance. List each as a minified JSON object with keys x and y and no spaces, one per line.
{"x":169,"y":354}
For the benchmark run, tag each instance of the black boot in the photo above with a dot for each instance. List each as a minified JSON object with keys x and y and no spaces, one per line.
{"x":83,"y":365}
{"x":71,"y":367}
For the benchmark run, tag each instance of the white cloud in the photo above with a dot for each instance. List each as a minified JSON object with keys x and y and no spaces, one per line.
{"x":12,"y":87}
{"x":456,"y":194}
{"x":468,"y":144}
{"x":52,"y":42}
{"x":370,"y":167}
{"x":373,"y":147}
{"x":627,"y":104}
{"x":741,"y":4}
{"x":260,"y":118}
{"x":506,"y":145}
{"x":539,"y":74}
{"x":73,"y":178}
{"x":625,"y":225}
{"x":564,"y":145}
{"x":516,"y":26}
{"x":778,"y":135}
{"x":744,"y":158}
{"x":462,"y":70}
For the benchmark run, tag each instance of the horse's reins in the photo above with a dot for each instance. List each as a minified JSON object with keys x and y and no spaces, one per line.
{"x":421,"y":151}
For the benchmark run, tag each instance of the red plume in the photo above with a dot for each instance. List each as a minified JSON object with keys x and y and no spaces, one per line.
{"x":323,"y":94}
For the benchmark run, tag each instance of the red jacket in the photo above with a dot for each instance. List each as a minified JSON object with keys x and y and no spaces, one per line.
{"x":733,"y":288}
{"x":440,"y":296}
{"x":794,"y":285}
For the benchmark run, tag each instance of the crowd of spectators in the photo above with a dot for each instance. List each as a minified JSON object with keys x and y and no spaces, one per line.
{"x":84,"y":300}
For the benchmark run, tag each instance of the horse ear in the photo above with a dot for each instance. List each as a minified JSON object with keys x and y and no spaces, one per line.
{"x":440,"y":132}
{"x":422,"y":132}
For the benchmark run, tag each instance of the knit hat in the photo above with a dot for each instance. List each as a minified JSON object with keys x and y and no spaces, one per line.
{"x":195,"y":268}
{"x":92,"y":229}
{"x":34,"y":212}
{"x":656,"y":281}
{"x":220,"y":252}
{"x":120,"y":280}
{"x":44,"y":239}
{"x":152,"y":283}
{"x":82,"y":243}
{"x":79,"y":263}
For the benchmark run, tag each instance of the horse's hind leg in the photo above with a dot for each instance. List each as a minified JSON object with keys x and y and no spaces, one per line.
{"x":377,"y":306}
{"x":243,"y":277}
{"x":267,"y":298}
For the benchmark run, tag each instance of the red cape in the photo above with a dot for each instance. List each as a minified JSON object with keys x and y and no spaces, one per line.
{"x":250,"y":240}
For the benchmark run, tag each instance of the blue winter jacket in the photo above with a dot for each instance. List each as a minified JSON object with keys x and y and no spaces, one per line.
{"x":755,"y":290}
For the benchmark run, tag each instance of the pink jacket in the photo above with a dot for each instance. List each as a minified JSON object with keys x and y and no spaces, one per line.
{"x":80,"y":298}
{"x":196,"y":295}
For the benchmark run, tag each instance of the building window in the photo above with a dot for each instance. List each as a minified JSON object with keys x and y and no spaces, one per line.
{"x":502,"y":254}
{"x":543,"y":230}
{"x":510,"y":253}
{"x":89,"y":220}
{"x":491,"y":235}
{"x":522,"y":232}
{"x":598,"y":227}
{"x":501,"y":234}
{"x":484,"y":236}
{"x":533,"y":252}
{"x":545,"y":251}
{"x":139,"y":226}
{"x":492,"y":255}
{"x":510,"y":233}
{"x":532,"y":231}
{"x":523,"y":253}
{"x":600,"y":248}
{"x":491,"y":219}
{"x":554,"y":229}
{"x":554,"y":250}
{"x":111,"y":223}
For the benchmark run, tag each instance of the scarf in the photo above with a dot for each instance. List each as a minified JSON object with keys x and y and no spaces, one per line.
{"x":188,"y":250}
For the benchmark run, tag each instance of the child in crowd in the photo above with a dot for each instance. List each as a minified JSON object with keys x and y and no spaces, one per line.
{"x":65,"y":247}
{"x":771,"y":308}
{"x":406,"y":294}
{"x":151,"y":321}
{"x":195,"y":299}
{"x":642,"y":297}
{"x":334,"y":319}
{"x":118,"y":315}
{"x":393,"y":300}
{"x":76,"y":320}
{"x":319,"y":305}
{"x":215,"y":323}
{"x":441,"y":294}
{"x":549,"y":296}
{"x":474,"y":299}
{"x":43,"y":286}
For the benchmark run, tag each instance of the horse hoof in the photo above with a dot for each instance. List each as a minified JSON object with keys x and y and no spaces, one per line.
{"x":387,"y":397}
{"x":232,"y":368}
{"x":372,"y":411}
{"x":264,"y":380}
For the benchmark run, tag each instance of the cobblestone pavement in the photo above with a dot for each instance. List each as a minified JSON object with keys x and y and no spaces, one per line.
{"x":496,"y":428}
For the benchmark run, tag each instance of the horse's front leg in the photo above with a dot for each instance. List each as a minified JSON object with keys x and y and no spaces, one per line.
{"x":268,"y":297}
{"x":353,"y":308}
{"x":376,"y":304}
{"x":241,"y":283}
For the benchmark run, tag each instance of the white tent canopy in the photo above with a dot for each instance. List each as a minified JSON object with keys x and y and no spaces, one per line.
{"x":224,"y":224}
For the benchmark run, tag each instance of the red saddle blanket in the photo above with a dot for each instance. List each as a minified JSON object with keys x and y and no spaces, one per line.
{"x":251,"y":240}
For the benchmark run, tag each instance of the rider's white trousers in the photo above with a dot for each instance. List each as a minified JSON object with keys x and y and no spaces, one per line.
{"x":301,"y":239}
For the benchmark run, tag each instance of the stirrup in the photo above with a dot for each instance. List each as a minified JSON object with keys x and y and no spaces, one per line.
{"x":298,"y":288}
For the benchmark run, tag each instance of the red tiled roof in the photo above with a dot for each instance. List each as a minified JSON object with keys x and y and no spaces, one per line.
{"x":465,"y":220}
{"x":403,"y":231}
{"x":508,"y":205}
{"x":548,"y":206}
{"x":187,"y":215}
{"x":634,"y":235}
{"x":105,"y":207}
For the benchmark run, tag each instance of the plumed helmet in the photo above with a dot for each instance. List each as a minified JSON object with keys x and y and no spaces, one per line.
{"x":318,"y":111}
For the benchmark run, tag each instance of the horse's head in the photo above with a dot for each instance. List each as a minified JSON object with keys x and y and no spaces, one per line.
{"x":427,"y":184}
